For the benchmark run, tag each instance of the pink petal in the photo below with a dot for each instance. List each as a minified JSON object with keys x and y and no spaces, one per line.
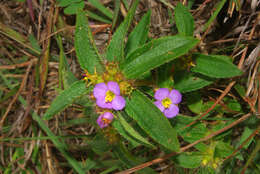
{"x":175,"y":96}
{"x":118,"y":103}
{"x":114,"y":87}
{"x":101,"y":103}
{"x":159,"y":105}
{"x":161,"y":93}
{"x":100,"y":90}
{"x":108,"y":115}
{"x":172,"y":111}
{"x":100,"y":122}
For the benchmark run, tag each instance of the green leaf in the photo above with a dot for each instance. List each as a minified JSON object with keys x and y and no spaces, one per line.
{"x":117,"y":4}
{"x":120,"y":129}
{"x":217,"y":9}
{"x":156,"y":53}
{"x":74,"y":7}
{"x":163,"y":76}
{"x":223,"y":149}
{"x":97,"y":17}
{"x":247,"y":132}
{"x":34,"y":43}
{"x":99,"y":144}
{"x":215,"y":66}
{"x":152,"y":120}
{"x":194,"y":102}
{"x":66,"y":98}
{"x":64,"y":3}
{"x":86,"y":50}
{"x":191,"y":134}
{"x":115,"y":50}
{"x":132,"y":131}
{"x":187,"y":81}
{"x":101,"y":8}
{"x":184,"y":20}
{"x":139,"y":35}
{"x":189,"y":159}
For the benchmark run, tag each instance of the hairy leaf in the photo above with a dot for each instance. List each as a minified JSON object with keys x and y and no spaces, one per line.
{"x":86,"y":50}
{"x":66,"y":98}
{"x":152,"y":120}
{"x":184,"y":20}
{"x":215,"y":66}
{"x":156,"y":53}
{"x":187,"y":81}
{"x":115,"y":50}
{"x":139,"y":35}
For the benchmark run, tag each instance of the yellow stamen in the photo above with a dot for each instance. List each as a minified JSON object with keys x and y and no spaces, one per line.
{"x":166,"y":102}
{"x":109,"y":96}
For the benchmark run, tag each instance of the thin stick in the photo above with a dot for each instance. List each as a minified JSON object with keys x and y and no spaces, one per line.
{"x":20,"y":65}
{"x":158,"y":160}
{"x":17,"y":94}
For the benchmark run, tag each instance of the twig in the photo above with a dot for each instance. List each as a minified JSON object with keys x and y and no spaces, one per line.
{"x":158,"y":160}
{"x":20,"y":65}
{"x":17,"y":94}
{"x":213,"y":106}
{"x":244,"y":142}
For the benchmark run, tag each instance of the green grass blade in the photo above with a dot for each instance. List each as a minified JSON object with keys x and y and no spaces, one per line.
{"x":101,"y":8}
{"x":60,"y":145}
{"x":214,"y":15}
{"x":116,"y":12}
{"x":97,"y":17}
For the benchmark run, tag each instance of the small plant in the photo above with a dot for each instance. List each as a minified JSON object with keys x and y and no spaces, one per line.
{"x":113,"y":73}
{"x":149,"y":98}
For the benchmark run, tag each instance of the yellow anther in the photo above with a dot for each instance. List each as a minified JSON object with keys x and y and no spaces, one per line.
{"x":214,"y":165}
{"x":166,"y":102}
{"x":109,"y":96}
{"x":204,"y":162}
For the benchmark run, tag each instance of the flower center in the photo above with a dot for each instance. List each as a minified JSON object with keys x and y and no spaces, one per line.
{"x":109,"y":96}
{"x":166,"y":102}
{"x":106,"y":121}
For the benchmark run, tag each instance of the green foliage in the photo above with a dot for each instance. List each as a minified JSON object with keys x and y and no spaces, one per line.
{"x":151,"y":119}
{"x":132,"y":132}
{"x":86,"y":50}
{"x":115,"y":49}
{"x":213,"y":65}
{"x":184,"y":20}
{"x":188,"y":81}
{"x":189,"y":159}
{"x":66,"y":98}
{"x":156,"y":53}
{"x":71,"y":6}
{"x":101,"y":8}
{"x":139,"y":34}
{"x":140,"y":65}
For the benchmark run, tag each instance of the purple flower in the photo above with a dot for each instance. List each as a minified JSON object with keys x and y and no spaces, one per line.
{"x":105,"y":119}
{"x":108,"y":96}
{"x":167,"y":100}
